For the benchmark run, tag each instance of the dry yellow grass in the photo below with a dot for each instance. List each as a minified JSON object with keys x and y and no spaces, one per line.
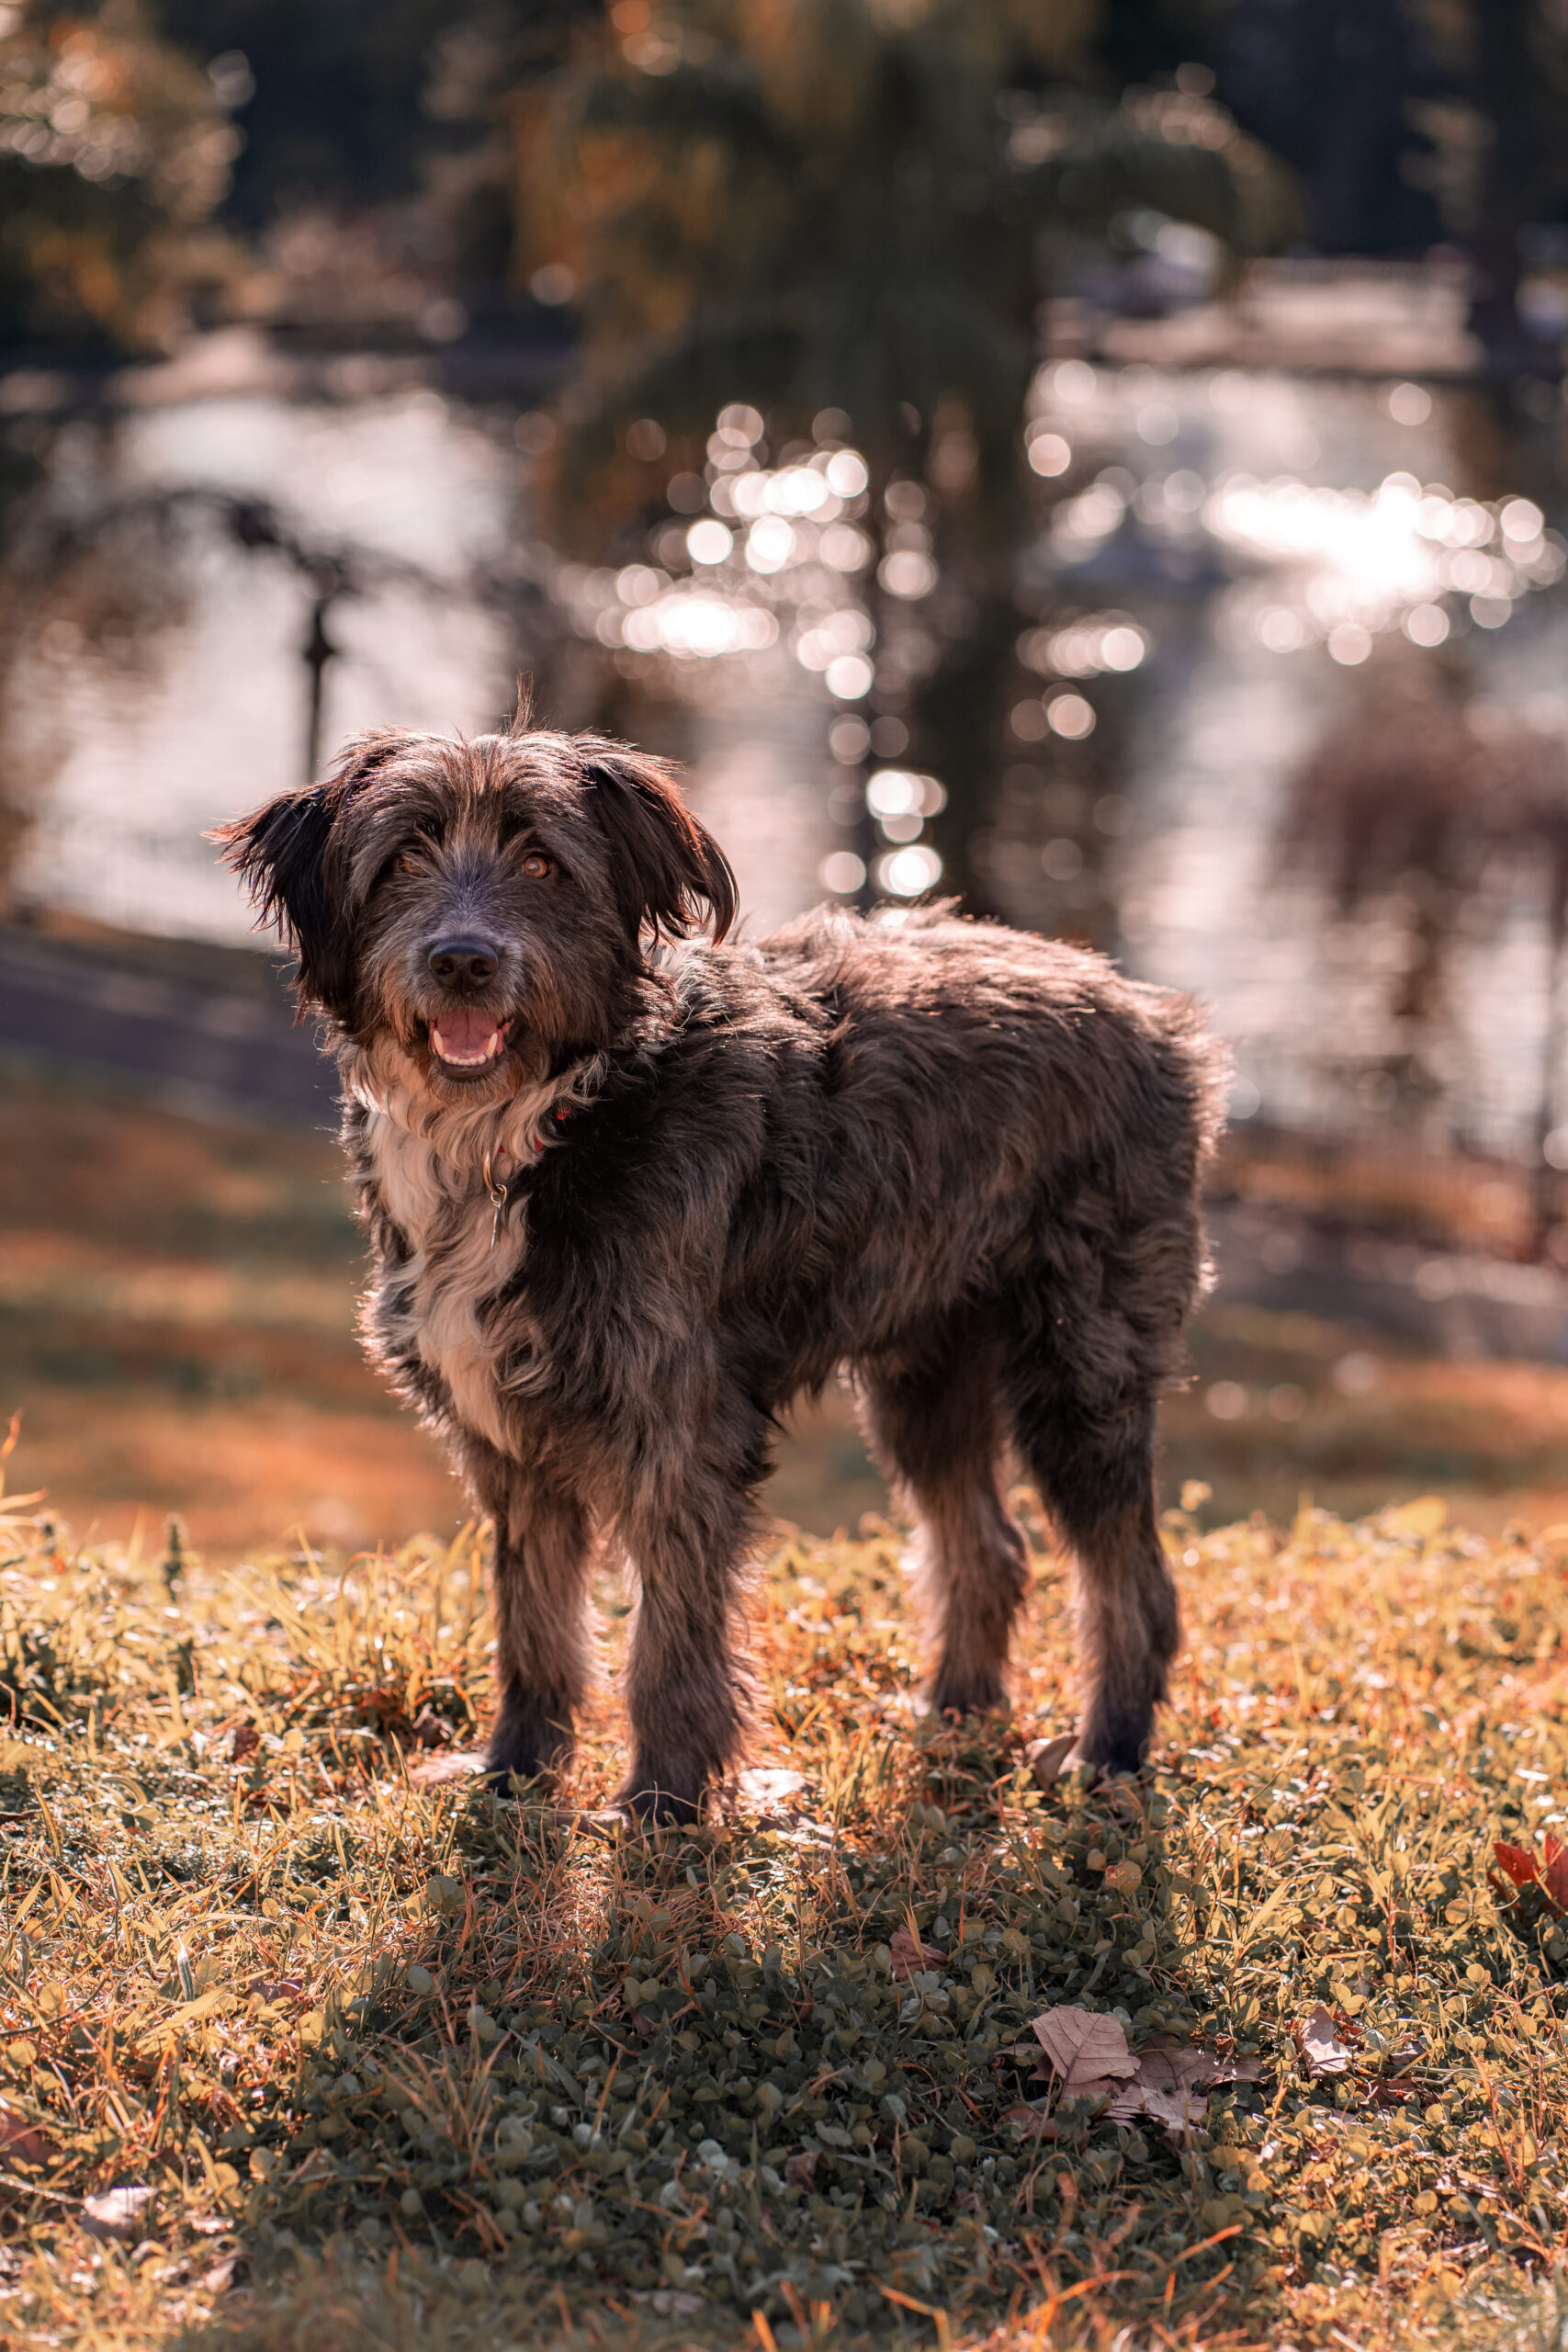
{"x":407,"y":2065}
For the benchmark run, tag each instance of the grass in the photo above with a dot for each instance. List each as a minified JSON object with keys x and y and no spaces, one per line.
{"x":179,"y":1333}
{"x":404,"y":2065}
{"x":177,"y":1323}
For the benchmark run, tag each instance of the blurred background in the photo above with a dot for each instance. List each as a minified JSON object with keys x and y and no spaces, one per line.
{"x":1103,"y":459}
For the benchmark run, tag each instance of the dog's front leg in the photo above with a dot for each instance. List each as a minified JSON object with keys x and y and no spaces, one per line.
{"x":688,"y":1692}
{"x":544,"y":1549}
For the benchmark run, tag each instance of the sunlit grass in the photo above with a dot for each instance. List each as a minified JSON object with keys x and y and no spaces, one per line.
{"x":401,"y":2064}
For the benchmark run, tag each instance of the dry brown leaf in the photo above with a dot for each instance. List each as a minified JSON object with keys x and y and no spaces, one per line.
{"x":1047,"y":1759}
{"x":437,"y":1771}
{"x":274,"y":1988}
{"x":115,"y":2212}
{"x":909,"y":1955}
{"x":1173,"y":2070}
{"x":1176,"y":2111}
{"x":1425,"y":1517}
{"x":1322,"y":2050}
{"x":23,"y":2140}
{"x":1032,"y":2120}
{"x":800,"y":2169}
{"x":771,"y":1788}
{"x":1088,"y":2050}
{"x":228,"y":2273}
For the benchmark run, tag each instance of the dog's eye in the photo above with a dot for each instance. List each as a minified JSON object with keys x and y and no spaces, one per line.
{"x":408,"y":863}
{"x":536,"y":866}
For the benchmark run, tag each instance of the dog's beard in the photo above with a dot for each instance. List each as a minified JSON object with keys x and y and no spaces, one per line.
{"x":512,"y":1114}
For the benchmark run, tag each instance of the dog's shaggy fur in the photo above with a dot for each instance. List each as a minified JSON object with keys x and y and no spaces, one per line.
{"x":628,"y":1193}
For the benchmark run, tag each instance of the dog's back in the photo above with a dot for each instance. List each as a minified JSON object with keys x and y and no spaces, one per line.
{"x":995,"y":1108}
{"x":621,"y":1210}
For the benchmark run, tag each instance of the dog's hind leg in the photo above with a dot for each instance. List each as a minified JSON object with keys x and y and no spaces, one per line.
{"x":544,"y":1548}
{"x":1095,"y":1472}
{"x":934,"y":1424}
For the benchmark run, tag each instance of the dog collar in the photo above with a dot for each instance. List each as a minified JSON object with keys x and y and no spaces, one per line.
{"x":496,"y":1190}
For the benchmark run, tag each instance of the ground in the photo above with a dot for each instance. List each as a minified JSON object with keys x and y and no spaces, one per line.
{"x":386,"y":2063}
{"x":176,"y":1328}
{"x":381,"y":2060}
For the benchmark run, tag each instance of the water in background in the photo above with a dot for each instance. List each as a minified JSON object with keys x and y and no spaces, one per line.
{"x":1253,"y":600}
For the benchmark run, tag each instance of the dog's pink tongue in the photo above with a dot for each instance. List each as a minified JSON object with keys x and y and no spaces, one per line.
{"x":462,"y":1035}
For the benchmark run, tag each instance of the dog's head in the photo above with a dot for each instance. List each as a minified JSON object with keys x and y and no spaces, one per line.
{"x":486,"y":907}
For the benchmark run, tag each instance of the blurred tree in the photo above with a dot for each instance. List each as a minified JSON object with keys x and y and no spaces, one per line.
{"x":837,"y":205}
{"x":330,"y":99}
{"x":1329,"y":85}
{"x":114,"y":151}
{"x":375,"y":106}
{"x":1503,"y":121}
{"x":1411,"y":121}
{"x":1418,"y":798}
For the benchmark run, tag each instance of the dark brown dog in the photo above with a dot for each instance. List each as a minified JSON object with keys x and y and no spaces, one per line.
{"x":626,"y":1199}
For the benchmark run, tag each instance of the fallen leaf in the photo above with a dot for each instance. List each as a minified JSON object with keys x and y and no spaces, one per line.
{"x":1394,"y":2092}
{"x":247,"y":1739}
{"x":1554,"y":1877}
{"x":1176,"y":2111}
{"x":274,"y":1988}
{"x":23,"y":2140}
{"x":1517,"y":1862}
{"x":1088,"y":2050}
{"x":115,"y":2212}
{"x":769,"y":1787}
{"x":800,"y":2170}
{"x":1171,"y":2072}
{"x":1428,"y":1515}
{"x":1168,"y":2087}
{"x":1047,"y":1759}
{"x":225,"y":2274}
{"x":438,"y":1771}
{"x":909,"y":1954}
{"x":1032,"y":2120}
{"x":1321,"y":2049}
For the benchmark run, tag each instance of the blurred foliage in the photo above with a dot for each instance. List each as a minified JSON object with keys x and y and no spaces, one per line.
{"x":115,"y":152}
{"x":332,"y":100}
{"x":843,"y":207}
{"x":839,"y":206}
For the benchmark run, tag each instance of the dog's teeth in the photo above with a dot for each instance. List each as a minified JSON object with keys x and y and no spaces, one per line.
{"x":455,"y":1060}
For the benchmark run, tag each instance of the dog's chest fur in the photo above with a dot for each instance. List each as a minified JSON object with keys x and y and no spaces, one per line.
{"x":433,"y":1306}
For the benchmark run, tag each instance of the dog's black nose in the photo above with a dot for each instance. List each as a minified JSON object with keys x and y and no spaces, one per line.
{"x":463,"y":959}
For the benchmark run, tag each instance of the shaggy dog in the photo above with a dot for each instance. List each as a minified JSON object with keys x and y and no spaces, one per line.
{"x":628,"y":1194}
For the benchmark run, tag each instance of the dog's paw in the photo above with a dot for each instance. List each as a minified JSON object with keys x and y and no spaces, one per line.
{"x":646,"y":1807}
{"x":952,"y":1697}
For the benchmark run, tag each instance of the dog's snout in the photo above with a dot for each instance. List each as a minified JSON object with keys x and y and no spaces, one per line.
{"x":461,"y":960}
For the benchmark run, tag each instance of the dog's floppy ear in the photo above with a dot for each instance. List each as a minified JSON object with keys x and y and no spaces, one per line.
{"x":667,"y":869}
{"x":284,"y":852}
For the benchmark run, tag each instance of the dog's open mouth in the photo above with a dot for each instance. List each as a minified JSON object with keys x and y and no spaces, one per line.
{"x":469,"y":1042}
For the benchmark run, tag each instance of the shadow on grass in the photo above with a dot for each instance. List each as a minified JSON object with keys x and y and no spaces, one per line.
{"x":650,"y":2087}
